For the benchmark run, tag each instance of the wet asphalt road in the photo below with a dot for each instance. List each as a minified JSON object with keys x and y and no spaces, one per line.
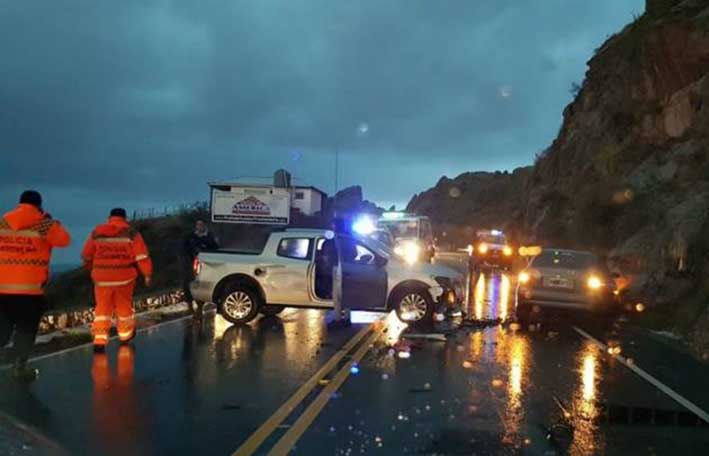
{"x":486,"y":389}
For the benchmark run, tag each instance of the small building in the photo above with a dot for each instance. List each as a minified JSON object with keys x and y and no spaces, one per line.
{"x":307,"y":200}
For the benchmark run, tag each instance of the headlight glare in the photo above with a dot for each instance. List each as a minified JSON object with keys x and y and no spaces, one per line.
{"x":594,"y":283}
{"x":409,"y":251}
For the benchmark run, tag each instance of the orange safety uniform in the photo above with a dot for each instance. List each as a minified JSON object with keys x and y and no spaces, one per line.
{"x":27,"y":236}
{"x":115,"y":252}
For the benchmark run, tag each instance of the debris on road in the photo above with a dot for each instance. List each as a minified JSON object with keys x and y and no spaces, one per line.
{"x":480,"y":323}
{"x":432,"y":336}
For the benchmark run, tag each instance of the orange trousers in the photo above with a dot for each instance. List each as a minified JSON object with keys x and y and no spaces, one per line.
{"x":118,"y":299}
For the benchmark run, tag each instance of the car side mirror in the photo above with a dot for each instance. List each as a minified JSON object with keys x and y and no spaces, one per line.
{"x":380,"y":261}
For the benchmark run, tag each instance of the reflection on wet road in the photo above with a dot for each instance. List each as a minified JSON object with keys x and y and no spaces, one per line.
{"x":492,"y":298}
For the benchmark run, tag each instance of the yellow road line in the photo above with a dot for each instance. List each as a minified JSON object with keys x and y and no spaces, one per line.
{"x":266,"y":429}
{"x":290,"y":438}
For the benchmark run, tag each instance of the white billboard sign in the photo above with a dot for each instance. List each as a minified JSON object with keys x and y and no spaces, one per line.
{"x":260,"y":205}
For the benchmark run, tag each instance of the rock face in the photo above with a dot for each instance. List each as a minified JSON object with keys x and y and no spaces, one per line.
{"x":628,"y":174}
{"x":657,"y":8}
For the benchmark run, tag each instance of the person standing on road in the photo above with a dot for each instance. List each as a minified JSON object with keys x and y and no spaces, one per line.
{"x":27,"y":236}
{"x":114,"y":253}
{"x":346,"y":251}
{"x":198,"y":241}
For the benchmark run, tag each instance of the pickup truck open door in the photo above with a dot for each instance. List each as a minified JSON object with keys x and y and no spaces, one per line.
{"x":364,"y":275}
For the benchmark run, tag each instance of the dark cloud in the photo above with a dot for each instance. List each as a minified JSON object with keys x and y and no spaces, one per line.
{"x":140,"y":104}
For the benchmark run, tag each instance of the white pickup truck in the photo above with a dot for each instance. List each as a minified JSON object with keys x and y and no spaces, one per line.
{"x":295,"y":269}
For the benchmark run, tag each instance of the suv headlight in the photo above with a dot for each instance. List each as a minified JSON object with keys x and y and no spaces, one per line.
{"x":409,"y":251}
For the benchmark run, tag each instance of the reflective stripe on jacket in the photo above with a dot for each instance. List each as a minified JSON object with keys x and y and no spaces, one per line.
{"x":115,"y":252}
{"x":27,"y":237}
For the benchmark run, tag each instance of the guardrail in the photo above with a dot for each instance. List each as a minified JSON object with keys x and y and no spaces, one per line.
{"x":57,"y":320}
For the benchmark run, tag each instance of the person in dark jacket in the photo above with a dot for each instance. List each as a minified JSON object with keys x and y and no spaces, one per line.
{"x":198,"y":241}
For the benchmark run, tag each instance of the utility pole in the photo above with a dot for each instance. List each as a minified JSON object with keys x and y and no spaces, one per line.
{"x":337,"y":175}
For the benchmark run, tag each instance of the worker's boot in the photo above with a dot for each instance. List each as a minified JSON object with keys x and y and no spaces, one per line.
{"x":128,"y":340}
{"x":22,"y":373}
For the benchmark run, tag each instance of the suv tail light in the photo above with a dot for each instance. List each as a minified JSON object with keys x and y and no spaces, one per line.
{"x":196,"y":266}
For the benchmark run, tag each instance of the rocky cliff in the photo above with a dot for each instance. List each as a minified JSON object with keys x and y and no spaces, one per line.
{"x":628,"y":174}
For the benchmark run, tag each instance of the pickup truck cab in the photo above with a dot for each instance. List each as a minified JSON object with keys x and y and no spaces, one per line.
{"x":295,"y":269}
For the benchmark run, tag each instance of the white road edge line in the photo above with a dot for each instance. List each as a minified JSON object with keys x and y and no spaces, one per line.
{"x":649,"y":378}
{"x":91,"y":344}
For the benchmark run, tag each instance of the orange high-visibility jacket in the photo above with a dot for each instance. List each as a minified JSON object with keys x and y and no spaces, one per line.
{"x":27,"y":237}
{"x":112,"y":252}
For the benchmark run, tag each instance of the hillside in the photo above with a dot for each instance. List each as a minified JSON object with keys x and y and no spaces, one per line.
{"x":163,"y":235}
{"x":474,"y":201}
{"x":628,"y":175}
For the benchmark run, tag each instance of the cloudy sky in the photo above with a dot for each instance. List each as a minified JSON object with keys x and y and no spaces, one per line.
{"x":140,"y":103}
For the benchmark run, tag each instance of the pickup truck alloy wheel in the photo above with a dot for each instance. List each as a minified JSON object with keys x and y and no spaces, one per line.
{"x":238,"y":305}
{"x":413,"y":307}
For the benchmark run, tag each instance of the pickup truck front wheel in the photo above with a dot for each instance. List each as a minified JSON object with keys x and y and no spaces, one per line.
{"x":413,"y":306}
{"x":239,"y":304}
